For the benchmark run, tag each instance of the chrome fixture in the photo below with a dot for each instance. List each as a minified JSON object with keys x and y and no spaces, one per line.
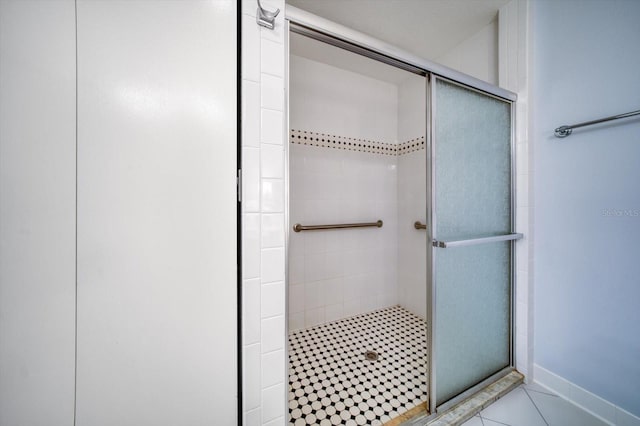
{"x":265,"y":18}
{"x":297,"y":227}
{"x":564,"y":131}
{"x":418,"y":225}
{"x":474,"y":241}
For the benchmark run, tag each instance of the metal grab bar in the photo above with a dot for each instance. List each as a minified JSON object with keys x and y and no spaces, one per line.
{"x":564,"y":131}
{"x":297,"y":227}
{"x":419,"y":225}
{"x":474,"y":241}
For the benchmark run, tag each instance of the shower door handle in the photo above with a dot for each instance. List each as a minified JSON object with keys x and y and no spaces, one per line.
{"x":475,"y":241}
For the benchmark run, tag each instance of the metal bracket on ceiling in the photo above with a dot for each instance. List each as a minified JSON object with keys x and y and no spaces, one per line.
{"x":265,"y":18}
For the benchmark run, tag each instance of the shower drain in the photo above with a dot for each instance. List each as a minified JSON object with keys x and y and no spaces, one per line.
{"x":371,"y":355}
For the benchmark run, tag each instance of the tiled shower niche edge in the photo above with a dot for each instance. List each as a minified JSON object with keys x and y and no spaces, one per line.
{"x":323,"y":140}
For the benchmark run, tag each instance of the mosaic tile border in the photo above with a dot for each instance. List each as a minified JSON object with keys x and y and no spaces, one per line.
{"x":413,"y":145}
{"x":304,"y":137}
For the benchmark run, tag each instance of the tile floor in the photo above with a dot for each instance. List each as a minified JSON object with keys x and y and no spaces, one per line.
{"x":332,"y":383}
{"x":533,"y":405}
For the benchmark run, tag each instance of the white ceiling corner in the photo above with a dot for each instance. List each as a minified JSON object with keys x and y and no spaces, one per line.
{"x":427,"y":28}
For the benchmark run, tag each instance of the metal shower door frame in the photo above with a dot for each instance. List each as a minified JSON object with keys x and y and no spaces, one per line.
{"x":302,"y":22}
{"x":435,"y":406}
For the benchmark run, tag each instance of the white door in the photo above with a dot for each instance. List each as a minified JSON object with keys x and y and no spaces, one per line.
{"x":156,"y":338}
{"x":37,"y":212}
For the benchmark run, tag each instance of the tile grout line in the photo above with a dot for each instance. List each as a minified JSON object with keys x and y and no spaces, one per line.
{"x":534,"y":404}
{"x":542,"y":393}
{"x":273,"y":351}
{"x":281,"y":77}
{"x":270,"y":387}
{"x":271,"y":109}
{"x":495,"y":421}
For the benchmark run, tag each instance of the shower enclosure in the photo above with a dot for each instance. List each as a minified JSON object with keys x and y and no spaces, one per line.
{"x":470,"y":181}
{"x":400,"y":247}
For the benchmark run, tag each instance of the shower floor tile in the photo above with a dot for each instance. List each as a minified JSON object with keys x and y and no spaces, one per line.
{"x":331,"y":382}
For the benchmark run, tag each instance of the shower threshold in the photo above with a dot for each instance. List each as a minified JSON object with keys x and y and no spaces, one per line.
{"x":464,"y":410}
{"x":369,"y":369}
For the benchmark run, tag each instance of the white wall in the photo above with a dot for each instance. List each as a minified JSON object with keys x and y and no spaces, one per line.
{"x":263,"y":261}
{"x":477,"y":55}
{"x":37,"y":212}
{"x":156,"y":272}
{"x":412,"y":198}
{"x":337,"y":274}
{"x":335,"y":101}
{"x":156,"y":213}
{"x":587,"y":199}
{"x":514,"y":75}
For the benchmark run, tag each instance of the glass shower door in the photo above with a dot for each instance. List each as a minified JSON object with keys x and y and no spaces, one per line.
{"x":471,"y":229}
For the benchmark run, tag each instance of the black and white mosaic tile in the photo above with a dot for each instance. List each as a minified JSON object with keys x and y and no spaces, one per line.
{"x":305,"y":137}
{"x":331,"y":382}
{"x":413,"y":145}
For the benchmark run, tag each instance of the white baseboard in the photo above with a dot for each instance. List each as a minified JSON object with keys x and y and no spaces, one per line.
{"x":599,"y":407}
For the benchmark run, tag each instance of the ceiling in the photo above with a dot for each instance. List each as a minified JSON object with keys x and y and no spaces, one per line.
{"x":427,"y":28}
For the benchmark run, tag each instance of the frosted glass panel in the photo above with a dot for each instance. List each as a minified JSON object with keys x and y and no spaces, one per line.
{"x":473,"y":164}
{"x":472,"y":308}
{"x":472,"y":199}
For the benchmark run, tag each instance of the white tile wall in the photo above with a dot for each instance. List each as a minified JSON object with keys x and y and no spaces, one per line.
{"x":333,"y":274}
{"x":250,"y":48}
{"x":263,"y":207}
{"x":271,"y":92}
{"x":272,"y":303}
{"x":355,"y":105}
{"x":272,"y":265}
{"x":251,"y":311}
{"x":272,"y":161}
{"x":251,"y":179}
{"x":272,"y":57}
{"x":272,"y":399}
{"x":252,"y":418}
{"x":412,"y":199}
{"x":272,"y":195}
{"x":513,"y":75}
{"x":251,"y":380}
{"x":272,"y":230}
{"x":276,"y":422}
{"x":272,"y":368}
{"x":271,"y":131}
{"x":251,"y":114}
{"x":263,"y":266}
{"x":251,"y":244}
{"x":412,"y":251}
